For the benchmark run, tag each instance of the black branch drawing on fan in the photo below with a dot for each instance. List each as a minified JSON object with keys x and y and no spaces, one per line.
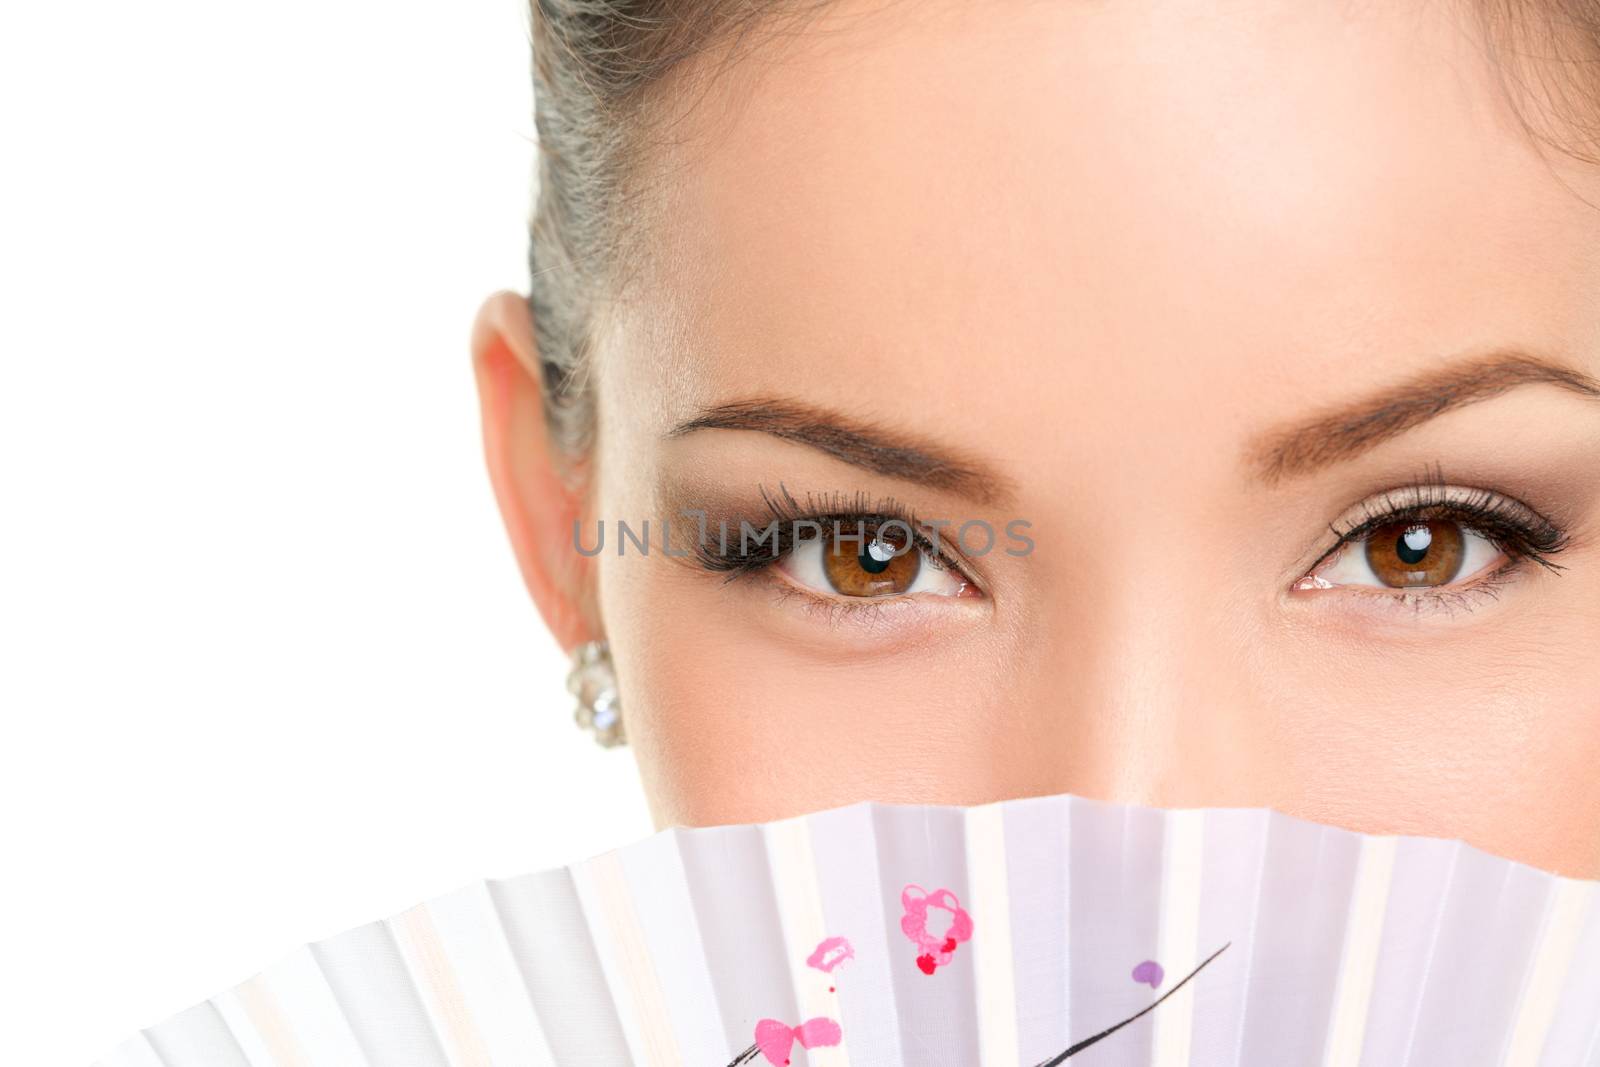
{"x":1108,"y":1031}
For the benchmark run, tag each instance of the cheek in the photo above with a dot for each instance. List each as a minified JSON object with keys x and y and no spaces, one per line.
{"x":730,"y":727}
{"x":1495,"y":745}
{"x":730,"y":734}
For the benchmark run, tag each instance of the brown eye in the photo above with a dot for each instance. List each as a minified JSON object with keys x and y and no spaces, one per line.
{"x":881,"y":562}
{"x":868,"y":558}
{"x":1410,"y":554}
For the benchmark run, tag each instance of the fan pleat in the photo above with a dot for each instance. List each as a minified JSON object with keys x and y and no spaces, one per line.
{"x":845,"y":848}
{"x":1247,"y":919}
{"x":1424,"y":878}
{"x":658,"y":890}
{"x":132,"y":1052}
{"x":369,"y":977}
{"x":1115,"y":854}
{"x":924,"y":848}
{"x":1305,"y":896}
{"x":1485,"y":928}
{"x":198,"y":1037}
{"x":1359,"y":956}
{"x":1549,"y":966}
{"x":802,"y":927}
{"x":1038,"y":838}
{"x":1572,"y":1032}
{"x":993,"y":956}
{"x":1178,"y":939}
{"x":550,"y":939}
{"x":735,"y":908}
{"x":457,"y":950}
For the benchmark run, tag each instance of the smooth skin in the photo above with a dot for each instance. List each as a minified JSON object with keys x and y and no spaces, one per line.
{"x":1153,"y":276}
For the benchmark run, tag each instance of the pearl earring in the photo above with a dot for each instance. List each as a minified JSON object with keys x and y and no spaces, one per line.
{"x":594,"y":683}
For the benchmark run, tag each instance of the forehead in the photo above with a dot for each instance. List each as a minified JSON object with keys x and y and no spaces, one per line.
{"x":1160,"y":200}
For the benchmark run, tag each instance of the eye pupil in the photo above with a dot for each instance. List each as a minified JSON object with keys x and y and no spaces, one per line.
{"x":876,"y":558}
{"x":1412,"y":546}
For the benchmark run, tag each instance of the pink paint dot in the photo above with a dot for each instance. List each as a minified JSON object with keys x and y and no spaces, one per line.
{"x":1150,"y":973}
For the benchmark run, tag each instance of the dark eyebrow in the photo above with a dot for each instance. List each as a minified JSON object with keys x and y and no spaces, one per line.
{"x":858,"y":443}
{"x":1349,"y":430}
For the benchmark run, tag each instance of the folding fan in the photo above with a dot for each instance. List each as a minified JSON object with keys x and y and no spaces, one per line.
{"x":1032,"y":932}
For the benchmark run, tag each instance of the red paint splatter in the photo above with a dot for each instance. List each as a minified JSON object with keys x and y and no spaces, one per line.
{"x":926,"y":964}
{"x":949,"y":944}
{"x":831,"y":989}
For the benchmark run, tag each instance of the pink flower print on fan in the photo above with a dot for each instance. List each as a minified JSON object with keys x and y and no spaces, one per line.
{"x":830,"y":953}
{"x":936,"y":922}
{"x":775,"y":1040}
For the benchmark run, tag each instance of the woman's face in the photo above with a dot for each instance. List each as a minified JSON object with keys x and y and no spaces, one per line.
{"x":1261,"y":337}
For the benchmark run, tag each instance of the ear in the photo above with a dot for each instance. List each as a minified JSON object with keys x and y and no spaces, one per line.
{"x":537,"y":505}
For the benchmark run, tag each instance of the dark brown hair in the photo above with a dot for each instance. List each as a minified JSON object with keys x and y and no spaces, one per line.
{"x":595,"y":61}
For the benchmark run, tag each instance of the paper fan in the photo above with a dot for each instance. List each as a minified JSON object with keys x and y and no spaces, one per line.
{"x":1010,"y":935}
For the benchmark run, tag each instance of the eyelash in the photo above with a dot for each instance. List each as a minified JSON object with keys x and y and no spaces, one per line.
{"x":1517,"y":530}
{"x":728,"y":556}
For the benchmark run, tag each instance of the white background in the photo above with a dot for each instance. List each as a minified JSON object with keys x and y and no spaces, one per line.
{"x":266,"y":667}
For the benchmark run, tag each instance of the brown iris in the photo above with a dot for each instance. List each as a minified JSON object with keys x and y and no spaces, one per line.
{"x":878,"y":563}
{"x":1409,"y":554}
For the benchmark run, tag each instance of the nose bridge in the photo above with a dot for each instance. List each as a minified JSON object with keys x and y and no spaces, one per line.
{"x":1146,"y":671}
